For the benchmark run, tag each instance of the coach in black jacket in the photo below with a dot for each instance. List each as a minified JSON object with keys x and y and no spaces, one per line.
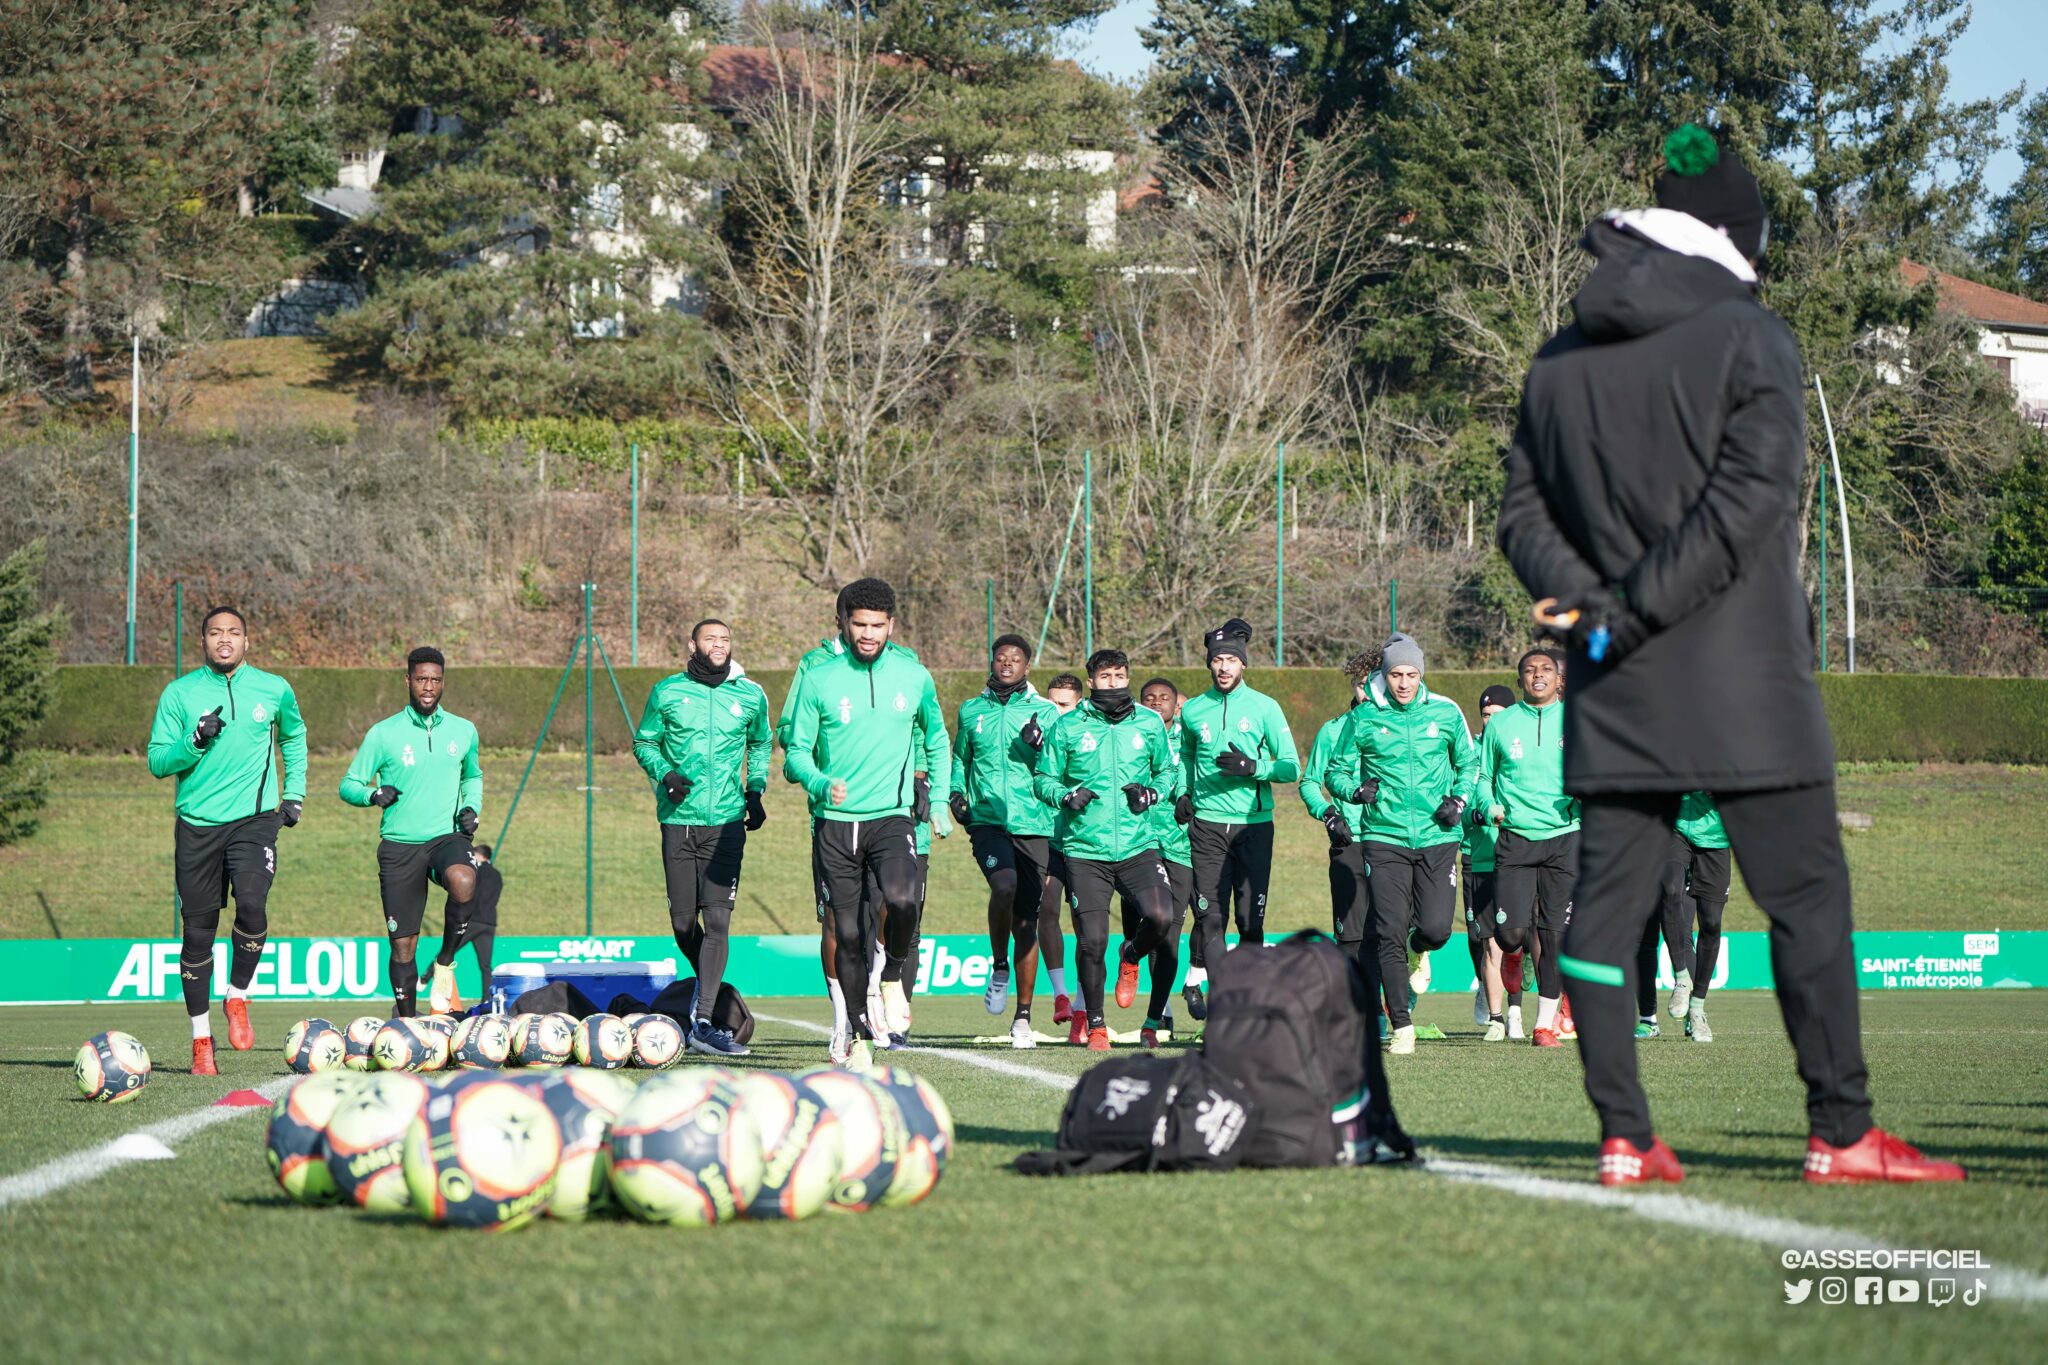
{"x":1653,"y":486}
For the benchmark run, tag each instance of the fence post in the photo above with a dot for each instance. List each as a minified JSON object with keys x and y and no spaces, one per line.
{"x":988,"y":594}
{"x":1087,"y":554}
{"x":633,"y":647}
{"x":134,"y":476}
{"x":1280,"y":561}
{"x":1393,"y":605}
{"x":177,"y":627}
{"x":1823,"y":571}
{"x":589,"y":772}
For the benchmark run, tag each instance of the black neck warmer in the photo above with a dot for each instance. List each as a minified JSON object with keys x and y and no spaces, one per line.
{"x":700,"y":668}
{"x":1113,"y":702}
{"x":1002,"y":692}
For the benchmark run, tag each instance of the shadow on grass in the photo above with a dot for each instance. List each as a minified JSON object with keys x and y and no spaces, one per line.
{"x":1006,"y":1137}
{"x":1579,"y":1157}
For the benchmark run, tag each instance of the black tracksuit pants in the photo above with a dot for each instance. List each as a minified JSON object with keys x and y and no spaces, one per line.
{"x":1414,"y":897}
{"x":700,"y":867}
{"x":1791,"y":856}
{"x":1142,"y":881}
{"x":845,"y":852}
{"x":1233,"y":867}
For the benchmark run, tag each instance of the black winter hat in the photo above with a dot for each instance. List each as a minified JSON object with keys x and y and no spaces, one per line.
{"x":1712,"y":184}
{"x":1232,"y":637}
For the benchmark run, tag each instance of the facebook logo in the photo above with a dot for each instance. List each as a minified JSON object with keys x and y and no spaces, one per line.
{"x":1870,"y":1289}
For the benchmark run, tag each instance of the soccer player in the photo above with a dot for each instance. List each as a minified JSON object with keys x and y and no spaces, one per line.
{"x":704,"y":744}
{"x":1700,"y":872}
{"x":483,"y":910}
{"x":1482,"y":906}
{"x":214,"y":732}
{"x":1236,"y":745}
{"x":1103,"y":766}
{"x":861,"y":721}
{"x":1341,"y":818}
{"x":420,"y":769}
{"x":1652,"y":508}
{"x":1407,"y":758}
{"x":1536,"y":853}
{"x":997,"y":737}
{"x":1064,"y":692}
{"x":1163,"y":699}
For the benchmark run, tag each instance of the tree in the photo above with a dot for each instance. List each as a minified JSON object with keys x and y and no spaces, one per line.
{"x":2016,"y":569}
{"x":538,"y":193}
{"x":28,"y":677}
{"x":2017,"y":244}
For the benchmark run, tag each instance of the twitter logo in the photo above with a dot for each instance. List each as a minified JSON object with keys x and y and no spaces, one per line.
{"x":1796,"y":1293}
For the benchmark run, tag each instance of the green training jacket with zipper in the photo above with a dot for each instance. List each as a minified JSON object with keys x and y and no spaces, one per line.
{"x":235,"y":776}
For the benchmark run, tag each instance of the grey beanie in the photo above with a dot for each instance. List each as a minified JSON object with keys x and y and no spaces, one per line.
{"x":1400,"y":650}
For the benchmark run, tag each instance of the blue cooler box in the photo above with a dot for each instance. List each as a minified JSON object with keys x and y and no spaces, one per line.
{"x":598,"y":980}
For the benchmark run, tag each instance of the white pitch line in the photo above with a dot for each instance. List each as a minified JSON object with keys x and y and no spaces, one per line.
{"x":1681,"y":1210}
{"x":95,"y":1162}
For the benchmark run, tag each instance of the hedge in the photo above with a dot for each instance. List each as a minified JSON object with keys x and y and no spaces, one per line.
{"x":1876,"y":717}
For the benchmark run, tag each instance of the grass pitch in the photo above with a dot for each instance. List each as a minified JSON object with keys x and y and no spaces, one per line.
{"x":202,"y":1258}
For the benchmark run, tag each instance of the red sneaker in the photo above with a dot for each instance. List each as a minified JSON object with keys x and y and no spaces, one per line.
{"x":1098,"y":1039}
{"x":1126,"y":984}
{"x":1877,"y":1156}
{"x":1624,"y":1163}
{"x":1077,"y":1028}
{"x":1062,"y":1007}
{"x":202,"y":1058}
{"x":1565,"y":1027}
{"x":1149,"y":1037}
{"x":1546,"y":1037}
{"x":241,"y":1037}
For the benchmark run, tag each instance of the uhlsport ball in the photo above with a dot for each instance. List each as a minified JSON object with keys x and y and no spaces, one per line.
{"x":482,"y":1156}
{"x":359,"y":1035}
{"x":657,"y":1042}
{"x":544,"y":1041}
{"x":603,"y":1041}
{"x":398,"y":1047}
{"x":870,"y":1133}
{"x":585,"y":1103}
{"x":296,"y":1144}
{"x":366,"y":1140}
{"x":927,"y":1135}
{"x":482,"y":1040}
{"x":685,"y":1152}
{"x":314,"y":1045}
{"x":800,"y":1148}
{"x":111,"y":1067}
{"x":434,"y":1044}
{"x":515,"y":1025}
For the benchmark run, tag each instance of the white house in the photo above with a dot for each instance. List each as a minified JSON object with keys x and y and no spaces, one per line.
{"x":2012,"y":333}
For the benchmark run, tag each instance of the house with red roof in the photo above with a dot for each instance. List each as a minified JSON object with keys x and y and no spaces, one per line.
{"x":2012,"y":332}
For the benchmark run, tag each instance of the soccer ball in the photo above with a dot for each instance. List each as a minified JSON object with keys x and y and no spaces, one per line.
{"x":434,"y":1044}
{"x":314,"y":1045}
{"x":657,"y":1041}
{"x":685,"y":1152}
{"x":111,"y":1067}
{"x":604,"y":1042}
{"x":398,"y":1047}
{"x":516,"y":1026}
{"x":482,"y":1156}
{"x":366,"y":1140}
{"x":544,"y":1041}
{"x":482,"y":1041}
{"x":632,"y":1021}
{"x":359,"y":1035}
{"x":585,"y":1104}
{"x":927,"y":1131}
{"x":443,"y":1024}
{"x":800,"y":1145}
{"x":870,"y":1133}
{"x":296,"y":1145}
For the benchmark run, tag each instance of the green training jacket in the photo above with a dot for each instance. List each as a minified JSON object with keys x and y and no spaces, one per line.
{"x":235,"y":776}
{"x":1314,"y":793}
{"x":871,"y":726}
{"x":1521,"y":770}
{"x":832,"y":646}
{"x":1420,"y":753}
{"x":705,"y":733}
{"x":1699,"y":821}
{"x":992,"y":766}
{"x":1173,"y":835}
{"x":432,"y":760}
{"x":1254,"y":722}
{"x":1086,"y":750}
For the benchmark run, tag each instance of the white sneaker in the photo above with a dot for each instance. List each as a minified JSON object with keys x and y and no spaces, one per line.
{"x":896,"y":1007}
{"x":997,"y":997}
{"x":441,"y":997}
{"x":1418,"y":979}
{"x":1403,"y":1041}
{"x":1696,"y":1022}
{"x":1496,"y":1031}
{"x":1515,"y":1021}
{"x":1479,"y":1013}
{"x":1681,"y":993}
{"x":1021,"y":1035}
{"x":860,"y":1059}
{"x":878,"y":1013}
{"x":840,"y":1049}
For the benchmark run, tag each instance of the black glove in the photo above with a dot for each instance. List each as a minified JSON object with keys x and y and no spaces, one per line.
{"x":384,"y":796}
{"x":920,"y":800}
{"x":1366,"y":792}
{"x":210,"y":725}
{"x":465,"y":820}
{"x":961,"y":810}
{"x":1139,"y":797}
{"x":288,"y":812}
{"x":1339,"y":827}
{"x":1031,"y":734}
{"x":1450,"y":811}
{"x":757,"y":814}
{"x":1077,"y":799}
{"x":676,"y":785}
{"x":1183,"y":808}
{"x":1605,"y":629}
{"x":1235,"y":761}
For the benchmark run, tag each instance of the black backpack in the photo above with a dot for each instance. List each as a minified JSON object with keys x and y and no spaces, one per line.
{"x":1150,"y":1114}
{"x":729,"y":1011}
{"x":1297,"y":1024}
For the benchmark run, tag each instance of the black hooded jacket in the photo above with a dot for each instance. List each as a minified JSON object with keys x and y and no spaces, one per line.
{"x":1659,"y":449}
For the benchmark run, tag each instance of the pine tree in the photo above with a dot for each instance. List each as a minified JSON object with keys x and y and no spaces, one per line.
{"x":2017,"y":245}
{"x":28,"y":674}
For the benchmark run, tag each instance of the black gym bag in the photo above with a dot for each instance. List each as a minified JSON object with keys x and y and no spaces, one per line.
{"x":1145,"y":1113}
{"x":728,"y":1012}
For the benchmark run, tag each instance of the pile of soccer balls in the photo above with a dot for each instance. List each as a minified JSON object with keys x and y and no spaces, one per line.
{"x":432,"y":1042}
{"x":491,"y":1149}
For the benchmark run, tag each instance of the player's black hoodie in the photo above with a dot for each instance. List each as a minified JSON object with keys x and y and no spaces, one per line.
{"x":1659,"y":448}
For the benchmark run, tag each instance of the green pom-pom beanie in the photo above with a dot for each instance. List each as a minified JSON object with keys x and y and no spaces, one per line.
{"x":1712,"y":184}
